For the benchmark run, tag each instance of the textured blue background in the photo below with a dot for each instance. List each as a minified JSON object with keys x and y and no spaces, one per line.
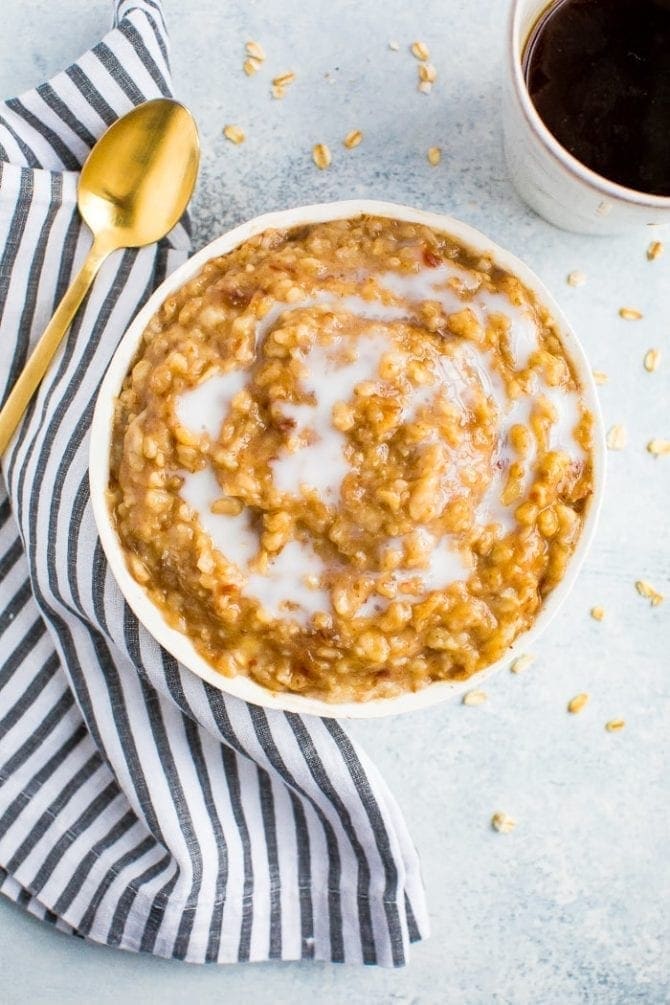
{"x":573,"y":906}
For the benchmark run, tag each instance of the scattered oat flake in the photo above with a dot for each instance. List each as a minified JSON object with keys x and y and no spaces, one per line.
{"x":647,"y":591}
{"x":576,"y":704}
{"x":420,"y":50}
{"x":576,"y":278}
{"x":598,"y":613}
{"x":659,"y":448}
{"x":352,"y":139}
{"x":652,"y":359}
{"x":394,"y":46}
{"x":280,"y":83}
{"x":425,"y":87}
{"x":475,"y":697}
{"x":522,"y":663}
{"x":630,"y":313}
{"x":654,"y":251}
{"x":600,"y":376}
{"x":255,"y":50}
{"x":321,"y":156}
{"x":617,"y":438}
{"x":284,"y":79}
{"x":614,"y":725}
{"x":502,"y":823}
{"x":234,"y":134}
{"x":427,"y":72}
{"x":434,"y":156}
{"x":250,"y":66}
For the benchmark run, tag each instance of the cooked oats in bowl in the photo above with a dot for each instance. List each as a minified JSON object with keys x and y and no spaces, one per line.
{"x":352,"y":458}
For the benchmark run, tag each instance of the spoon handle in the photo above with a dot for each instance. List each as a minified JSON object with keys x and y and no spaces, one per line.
{"x":42,"y":354}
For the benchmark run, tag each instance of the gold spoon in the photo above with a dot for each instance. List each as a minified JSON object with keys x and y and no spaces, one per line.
{"x":133,"y":188}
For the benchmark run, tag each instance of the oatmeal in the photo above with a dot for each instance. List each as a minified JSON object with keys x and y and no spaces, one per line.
{"x":350,"y":459}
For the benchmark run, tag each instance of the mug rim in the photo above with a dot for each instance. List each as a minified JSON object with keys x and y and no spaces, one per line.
{"x":609,"y":188}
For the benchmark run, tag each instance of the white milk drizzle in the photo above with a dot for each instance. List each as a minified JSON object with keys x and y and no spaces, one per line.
{"x":319,"y":460}
{"x":238,"y":543}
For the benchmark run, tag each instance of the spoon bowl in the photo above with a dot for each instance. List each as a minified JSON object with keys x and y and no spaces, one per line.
{"x":139,"y":177}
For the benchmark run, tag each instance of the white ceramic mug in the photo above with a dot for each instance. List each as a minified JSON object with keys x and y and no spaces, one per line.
{"x":553,"y":182}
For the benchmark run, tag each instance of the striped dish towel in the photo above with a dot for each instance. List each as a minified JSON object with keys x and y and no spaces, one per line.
{"x":139,"y":807}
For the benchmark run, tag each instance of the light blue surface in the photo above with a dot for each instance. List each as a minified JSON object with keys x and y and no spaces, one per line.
{"x":574,"y":905}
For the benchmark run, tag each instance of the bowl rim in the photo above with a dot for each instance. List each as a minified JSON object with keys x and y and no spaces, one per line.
{"x":179,"y":645}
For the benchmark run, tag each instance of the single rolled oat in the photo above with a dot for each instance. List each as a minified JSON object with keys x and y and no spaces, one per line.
{"x":647,"y":591}
{"x":576,"y":704}
{"x":652,"y":359}
{"x":654,"y":251}
{"x":321,"y":156}
{"x":475,"y":698}
{"x":427,"y":72}
{"x":659,"y":448}
{"x":280,"y":84}
{"x":256,"y":51}
{"x":251,"y":66}
{"x":503,"y":823}
{"x":617,"y":437}
{"x":235,"y":134}
{"x":522,"y":663}
{"x":420,"y":51}
{"x":352,"y":139}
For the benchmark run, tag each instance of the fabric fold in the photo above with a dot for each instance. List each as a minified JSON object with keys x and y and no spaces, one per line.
{"x":140,"y":807}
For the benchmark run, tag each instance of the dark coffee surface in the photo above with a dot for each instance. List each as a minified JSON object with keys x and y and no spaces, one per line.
{"x":598,"y":72}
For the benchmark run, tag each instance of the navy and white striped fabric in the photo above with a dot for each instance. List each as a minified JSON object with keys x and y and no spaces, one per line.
{"x":138,"y":806}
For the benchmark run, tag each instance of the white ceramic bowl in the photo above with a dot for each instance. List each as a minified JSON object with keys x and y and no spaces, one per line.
{"x":179,"y":645}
